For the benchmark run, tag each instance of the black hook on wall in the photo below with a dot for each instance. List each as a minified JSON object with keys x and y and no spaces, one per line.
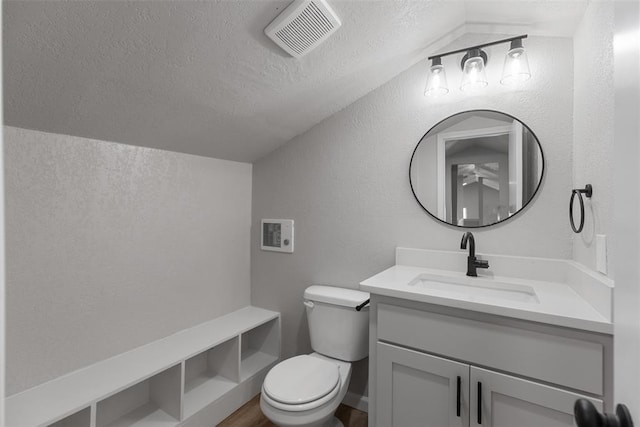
{"x":588,"y":192}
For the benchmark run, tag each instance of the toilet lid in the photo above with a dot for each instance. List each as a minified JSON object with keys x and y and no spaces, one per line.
{"x":301,"y":379}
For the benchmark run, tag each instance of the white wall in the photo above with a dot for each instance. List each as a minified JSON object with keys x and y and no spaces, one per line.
{"x":346,"y":184}
{"x":2,"y":252}
{"x":111,"y":246}
{"x":593,"y":126}
{"x":627,"y":206}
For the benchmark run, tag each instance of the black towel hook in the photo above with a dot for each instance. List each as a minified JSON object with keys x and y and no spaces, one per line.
{"x":588,"y":192}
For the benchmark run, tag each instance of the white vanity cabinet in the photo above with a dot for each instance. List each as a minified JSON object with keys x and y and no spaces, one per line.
{"x":507,"y":401}
{"x":417,"y":389}
{"x":436,"y":366}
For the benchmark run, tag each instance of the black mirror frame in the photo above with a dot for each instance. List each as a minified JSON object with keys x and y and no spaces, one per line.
{"x":535,"y":193}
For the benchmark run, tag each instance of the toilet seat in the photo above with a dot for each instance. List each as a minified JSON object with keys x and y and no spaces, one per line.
{"x":301,"y":383}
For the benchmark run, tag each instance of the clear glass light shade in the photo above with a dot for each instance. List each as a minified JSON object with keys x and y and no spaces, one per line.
{"x":516,"y":67}
{"x":436,"y":82}
{"x":474,"y":76}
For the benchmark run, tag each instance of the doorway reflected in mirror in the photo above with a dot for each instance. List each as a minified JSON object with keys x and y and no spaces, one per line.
{"x":476,"y":168}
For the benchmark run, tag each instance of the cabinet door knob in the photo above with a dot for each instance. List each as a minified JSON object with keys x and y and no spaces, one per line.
{"x":588,"y":416}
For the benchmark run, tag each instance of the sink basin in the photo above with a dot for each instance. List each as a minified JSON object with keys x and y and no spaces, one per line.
{"x":475,"y":288}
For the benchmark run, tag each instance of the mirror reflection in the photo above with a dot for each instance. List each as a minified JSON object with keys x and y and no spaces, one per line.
{"x":476,"y":168}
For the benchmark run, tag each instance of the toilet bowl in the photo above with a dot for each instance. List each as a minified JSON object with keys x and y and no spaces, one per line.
{"x":306,"y":390}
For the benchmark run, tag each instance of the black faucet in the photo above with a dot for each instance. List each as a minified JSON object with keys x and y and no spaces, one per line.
{"x":472,"y":262}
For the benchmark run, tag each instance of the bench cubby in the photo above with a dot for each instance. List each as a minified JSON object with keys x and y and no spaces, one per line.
{"x":197,"y":376}
{"x":210,"y":375}
{"x":81,"y":418}
{"x":152,"y":402}
{"x":259,"y":348}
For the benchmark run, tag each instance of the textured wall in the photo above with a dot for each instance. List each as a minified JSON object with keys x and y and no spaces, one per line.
{"x":111,"y":246}
{"x":345,"y":183}
{"x":627,"y":205}
{"x":593,"y":119}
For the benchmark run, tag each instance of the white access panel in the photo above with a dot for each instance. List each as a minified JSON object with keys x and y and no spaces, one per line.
{"x":276,"y":235}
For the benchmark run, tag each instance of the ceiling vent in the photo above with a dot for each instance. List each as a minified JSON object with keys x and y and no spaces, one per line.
{"x":302,"y":26}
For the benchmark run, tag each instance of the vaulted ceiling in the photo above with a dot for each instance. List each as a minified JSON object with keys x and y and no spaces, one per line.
{"x":201,"y":77}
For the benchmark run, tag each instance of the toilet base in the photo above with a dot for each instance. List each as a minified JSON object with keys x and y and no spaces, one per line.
{"x":333,"y":422}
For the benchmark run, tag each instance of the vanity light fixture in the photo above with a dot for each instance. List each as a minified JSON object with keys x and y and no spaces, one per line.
{"x":437,"y":80}
{"x":474,"y":76}
{"x":516,"y":65}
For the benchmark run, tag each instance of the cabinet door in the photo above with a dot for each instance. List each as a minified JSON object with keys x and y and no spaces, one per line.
{"x":499,"y":400}
{"x":418,"y":390}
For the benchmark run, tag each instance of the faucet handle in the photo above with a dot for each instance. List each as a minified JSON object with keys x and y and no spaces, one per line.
{"x":480,"y":263}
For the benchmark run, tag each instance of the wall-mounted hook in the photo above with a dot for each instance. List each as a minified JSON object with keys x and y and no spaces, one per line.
{"x":588,"y":192}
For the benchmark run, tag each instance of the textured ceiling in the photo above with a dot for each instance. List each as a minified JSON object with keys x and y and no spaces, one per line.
{"x":202,"y":78}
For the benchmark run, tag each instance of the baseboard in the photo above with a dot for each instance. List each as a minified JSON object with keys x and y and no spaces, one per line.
{"x":357,"y":401}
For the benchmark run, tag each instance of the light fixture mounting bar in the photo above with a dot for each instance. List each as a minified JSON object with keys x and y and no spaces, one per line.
{"x":480,"y":46}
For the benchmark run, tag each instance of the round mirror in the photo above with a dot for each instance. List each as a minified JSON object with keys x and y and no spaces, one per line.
{"x":476,"y":168}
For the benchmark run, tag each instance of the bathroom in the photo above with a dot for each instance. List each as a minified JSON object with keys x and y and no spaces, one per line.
{"x":144,"y":143}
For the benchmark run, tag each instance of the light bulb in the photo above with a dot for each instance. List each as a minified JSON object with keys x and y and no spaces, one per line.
{"x":474,"y":76}
{"x":516,"y":65}
{"x":437,"y":80}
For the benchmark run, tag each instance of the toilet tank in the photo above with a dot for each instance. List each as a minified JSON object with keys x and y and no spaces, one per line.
{"x":336,"y":328}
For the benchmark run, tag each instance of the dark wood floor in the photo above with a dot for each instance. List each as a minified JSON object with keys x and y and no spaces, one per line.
{"x":250,"y":416}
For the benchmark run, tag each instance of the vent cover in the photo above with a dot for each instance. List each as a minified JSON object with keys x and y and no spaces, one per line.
{"x":302,"y":26}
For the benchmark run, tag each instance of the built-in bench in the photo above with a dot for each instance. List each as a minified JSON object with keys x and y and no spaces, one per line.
{"x":195,"y":377}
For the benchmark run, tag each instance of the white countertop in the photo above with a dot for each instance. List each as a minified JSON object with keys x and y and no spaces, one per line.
{"x":558,"y":303}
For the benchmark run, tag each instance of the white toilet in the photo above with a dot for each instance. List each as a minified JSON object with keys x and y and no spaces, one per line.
{"x":306,"y":390}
